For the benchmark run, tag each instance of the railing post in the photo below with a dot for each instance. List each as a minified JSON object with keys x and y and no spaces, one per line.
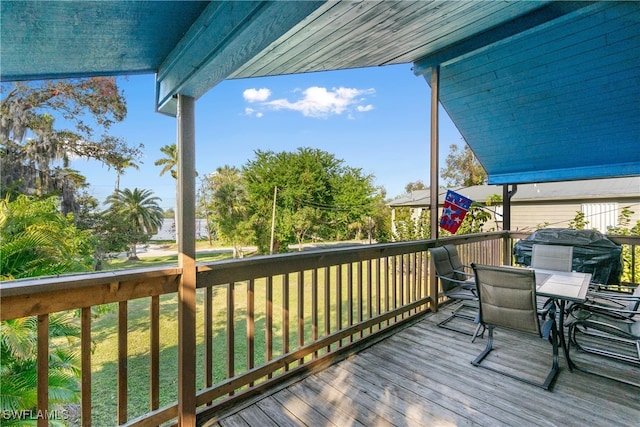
{"x":43,"y":368}
{"x":187,"y":260}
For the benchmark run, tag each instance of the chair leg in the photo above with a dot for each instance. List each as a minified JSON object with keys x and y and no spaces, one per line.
{"x":457,"y":314}
{"x":573,"y":330}
{"x":487,"y":349}
{"x":577,"y":327}
{"x":550,"y":377}
{"x":554,"y":367}
{"x":477,"y":333}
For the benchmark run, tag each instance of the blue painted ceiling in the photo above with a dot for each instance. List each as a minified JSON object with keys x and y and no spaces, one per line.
{"x":541,"y":91}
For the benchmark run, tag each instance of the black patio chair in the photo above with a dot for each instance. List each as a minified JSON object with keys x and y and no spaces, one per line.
{"x":456,"y":285}
{"x":608,"y":324}
{"x":551,"y":257}
{"x":507,"y":298}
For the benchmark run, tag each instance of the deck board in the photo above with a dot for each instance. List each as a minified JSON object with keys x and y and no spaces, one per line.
{"x":422,"y":375}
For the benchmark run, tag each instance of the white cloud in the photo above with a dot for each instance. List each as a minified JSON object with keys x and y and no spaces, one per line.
{"x":251,"y":112}
{"x":256,"y":95}
{"x":317,"y":102}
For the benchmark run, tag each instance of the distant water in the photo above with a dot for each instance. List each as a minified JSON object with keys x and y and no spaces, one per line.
{"x":168,"y":230}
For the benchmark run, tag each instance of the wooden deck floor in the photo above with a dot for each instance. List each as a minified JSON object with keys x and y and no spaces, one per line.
{"x":422,"y":376}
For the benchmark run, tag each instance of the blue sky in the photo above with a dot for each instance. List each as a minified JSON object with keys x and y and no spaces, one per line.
{"x":376,"y":119}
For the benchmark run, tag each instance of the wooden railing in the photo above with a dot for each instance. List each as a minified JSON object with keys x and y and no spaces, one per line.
{"x":269,"y":319}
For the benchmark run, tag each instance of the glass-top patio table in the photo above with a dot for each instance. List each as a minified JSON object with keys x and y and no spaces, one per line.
{"x":562,"y":286}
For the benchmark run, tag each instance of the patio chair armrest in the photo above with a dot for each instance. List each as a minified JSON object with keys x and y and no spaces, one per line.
{"x":585,"y":310}
{"x":459,"y":282}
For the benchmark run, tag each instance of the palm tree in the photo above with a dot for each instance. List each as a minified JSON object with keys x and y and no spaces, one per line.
{"x":169,"y":164}
{"x":140,"y":210}
{"x":124,"y":163}
{"x":37,"y":240}
{"x":18,"y":345}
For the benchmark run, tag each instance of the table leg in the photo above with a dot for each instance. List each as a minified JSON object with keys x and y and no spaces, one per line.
{"x":563,"y":342}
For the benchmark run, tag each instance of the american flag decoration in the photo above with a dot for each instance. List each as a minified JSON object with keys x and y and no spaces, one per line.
{"x":454,"y":210}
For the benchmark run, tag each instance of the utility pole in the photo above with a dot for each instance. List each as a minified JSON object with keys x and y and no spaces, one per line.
{"x":273,"y":218}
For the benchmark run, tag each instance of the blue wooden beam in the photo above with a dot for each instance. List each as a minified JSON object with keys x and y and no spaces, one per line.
{"x":567,"y":174}
{"x":224,"y":37}
{"x":516,"y":26}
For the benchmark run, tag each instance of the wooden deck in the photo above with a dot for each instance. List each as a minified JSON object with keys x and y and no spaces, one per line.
{"x":422,"y":376}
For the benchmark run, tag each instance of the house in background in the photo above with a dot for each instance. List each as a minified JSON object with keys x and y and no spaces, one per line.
{"x":552,"y":204}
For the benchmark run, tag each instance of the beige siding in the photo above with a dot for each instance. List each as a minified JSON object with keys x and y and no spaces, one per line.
{"x":530,"y":216}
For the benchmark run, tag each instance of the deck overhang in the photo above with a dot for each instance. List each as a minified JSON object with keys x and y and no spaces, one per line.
{"x":541,"y":91}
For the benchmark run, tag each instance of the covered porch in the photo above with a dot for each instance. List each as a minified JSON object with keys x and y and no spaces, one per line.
{"x":525,"y":82}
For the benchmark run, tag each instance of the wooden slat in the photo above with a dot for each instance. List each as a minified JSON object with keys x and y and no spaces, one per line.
{"x":285,"y":316}
{"x":269,"y":318}
{"x":85,"y":366}
{"x":208,"y":337}
{"x":350,"y":301}
{"x":301,"y":301}
{"x":370,"y":292}
{"x":339,"y":300}
{"x":360,"y":295}
{"x":327,"y":303}
{"x":122,"y":362}
{"x":231,"y":348}
{"x":314,"y":307}
{"x":251,"y":348}
{"x":154,"y":352}
{"x":43,"y":367}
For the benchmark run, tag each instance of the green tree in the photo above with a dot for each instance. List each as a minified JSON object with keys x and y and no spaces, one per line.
{"x":354,"y":199}
{"x":334,"y":195}
{"x":409,"y":226}
{"x":35,"y":155}
{"x":111,"y":234}
{"x":18,"y":373}
{"x":629,"y":252}
{"x":579,"y":222}
{"x":463,"y":169}
{"x":140,"y":210}
{"x":37,"y":240}
{"x":380,"y":225}
{"x":413,"y":186}
{"x":229,"y":206}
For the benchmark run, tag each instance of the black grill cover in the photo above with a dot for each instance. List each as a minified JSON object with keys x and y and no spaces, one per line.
{"x":592,"y":252}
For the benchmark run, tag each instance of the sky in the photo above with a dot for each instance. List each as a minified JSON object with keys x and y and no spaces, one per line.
{"x":376,"y":119}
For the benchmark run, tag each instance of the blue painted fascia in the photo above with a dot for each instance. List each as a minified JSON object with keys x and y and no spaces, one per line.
{"x":571,"y":174}
{"x":225,"y":36}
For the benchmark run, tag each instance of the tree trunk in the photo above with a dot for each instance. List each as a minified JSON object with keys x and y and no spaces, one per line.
{"x":133,"y":253}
